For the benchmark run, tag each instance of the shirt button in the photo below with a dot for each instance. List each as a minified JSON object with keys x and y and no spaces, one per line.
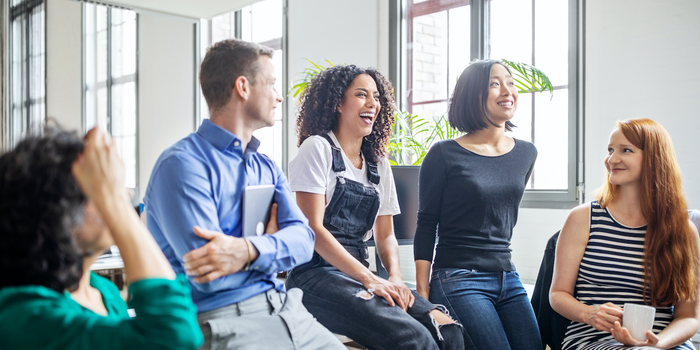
{"x":236,"y":143}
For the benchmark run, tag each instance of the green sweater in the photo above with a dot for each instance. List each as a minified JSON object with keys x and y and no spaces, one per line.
{"x":35,"y":317}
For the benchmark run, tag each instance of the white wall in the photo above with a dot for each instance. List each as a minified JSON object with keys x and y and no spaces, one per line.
{"x":64,"y":62}
{"x":166,"y":87}
{"x":639,"y":64}
{"x":642,"y":62}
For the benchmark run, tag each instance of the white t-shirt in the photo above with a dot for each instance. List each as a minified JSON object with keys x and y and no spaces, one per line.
{"x":311,"y":171}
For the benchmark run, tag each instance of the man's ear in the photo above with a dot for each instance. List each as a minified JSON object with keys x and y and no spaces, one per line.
{"x":241,"y":87}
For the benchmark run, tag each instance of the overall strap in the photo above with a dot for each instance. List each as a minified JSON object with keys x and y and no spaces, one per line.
{"x":338,"y":163}
{"x":372,"y":172}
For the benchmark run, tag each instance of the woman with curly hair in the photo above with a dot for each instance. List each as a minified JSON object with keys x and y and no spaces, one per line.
{"x":632,"y":244}
{"x":344,"y":185}
{"x":63,"y":203}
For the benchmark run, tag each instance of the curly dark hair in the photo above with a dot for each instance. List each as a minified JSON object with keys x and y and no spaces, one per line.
{"x":41,"y":204}
{"x":318,"y":113}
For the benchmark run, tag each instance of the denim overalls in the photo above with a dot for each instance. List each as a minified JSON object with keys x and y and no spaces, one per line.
{"x":351,"y":212}
{"x":338,"y":301}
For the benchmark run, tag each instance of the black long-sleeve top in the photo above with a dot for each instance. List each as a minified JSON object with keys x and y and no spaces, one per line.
{"x":471,"y":203}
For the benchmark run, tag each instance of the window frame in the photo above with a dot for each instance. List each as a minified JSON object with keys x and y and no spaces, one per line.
{"x":28,"y":122}
{"x":400,"y":15}
{"x":111,"y":82}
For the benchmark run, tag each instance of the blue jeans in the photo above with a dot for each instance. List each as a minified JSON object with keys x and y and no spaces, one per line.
{"x":493,"y":307}
{"x":332,"y":297}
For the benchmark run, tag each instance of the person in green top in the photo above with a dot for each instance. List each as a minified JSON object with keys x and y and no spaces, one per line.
{"x":63,"y":203}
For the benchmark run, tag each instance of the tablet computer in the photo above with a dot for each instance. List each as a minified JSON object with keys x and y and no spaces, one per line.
{"x":256,"y":203}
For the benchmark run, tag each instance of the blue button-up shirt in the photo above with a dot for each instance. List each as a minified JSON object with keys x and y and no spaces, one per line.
{"x":199,"y":181}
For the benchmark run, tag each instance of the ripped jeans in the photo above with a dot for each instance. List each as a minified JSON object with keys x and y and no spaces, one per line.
{"x":337,"y":302}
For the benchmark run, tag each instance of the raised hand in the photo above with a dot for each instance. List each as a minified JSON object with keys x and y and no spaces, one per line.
{"x":98,"y":170}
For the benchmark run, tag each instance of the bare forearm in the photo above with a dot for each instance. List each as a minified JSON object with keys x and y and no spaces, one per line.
{"x":423,"y":277}
{"x":566,"y":305}
{"x":388,"y":249}
{"x":142,"y":256}
{"x":677,"y":332}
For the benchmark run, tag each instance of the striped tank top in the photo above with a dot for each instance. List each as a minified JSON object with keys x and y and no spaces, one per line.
{"x":611,"y":271}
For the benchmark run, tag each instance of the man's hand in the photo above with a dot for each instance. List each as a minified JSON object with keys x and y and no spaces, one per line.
{"x":223,"y":255}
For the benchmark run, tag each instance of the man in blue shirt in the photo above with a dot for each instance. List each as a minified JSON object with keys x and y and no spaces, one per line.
{"x":193,"y":209}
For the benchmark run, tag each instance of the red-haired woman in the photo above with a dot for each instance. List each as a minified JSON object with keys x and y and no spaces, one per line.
{"x":633,"y":244}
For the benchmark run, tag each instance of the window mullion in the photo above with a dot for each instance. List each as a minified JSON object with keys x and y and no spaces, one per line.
{"x":479,"y":29}
{"x":238,"y":24}
{"x":109,"y":71}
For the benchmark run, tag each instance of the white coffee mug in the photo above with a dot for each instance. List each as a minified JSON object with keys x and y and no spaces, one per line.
{"x":638,"y":319}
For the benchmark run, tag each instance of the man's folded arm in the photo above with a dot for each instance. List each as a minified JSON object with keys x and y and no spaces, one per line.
{"x":180,"y":198}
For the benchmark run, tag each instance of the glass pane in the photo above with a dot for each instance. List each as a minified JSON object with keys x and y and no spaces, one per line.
{"x":101,"y":54}
{"x":223,"y":27}
{"x":126,"y":147}
{"x":271,"y":142}
{"x":429,"y":58}
{"x":266,"y":20}
{"x":277,"y":62}
{"x":523,"y":119}
{"x":124,"y":109}
{"x":430,"y":111}
{"x":459,"y":44}
{"x":267,"y":140}
{"x":247,"y":23}
{"x":511,"y":30}
{"x":551,"y":139}
{"x":123,"y":43}
{"x":552,"y":39}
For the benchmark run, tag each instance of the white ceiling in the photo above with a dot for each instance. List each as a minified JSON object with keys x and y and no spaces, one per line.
{"x":185,"y":8}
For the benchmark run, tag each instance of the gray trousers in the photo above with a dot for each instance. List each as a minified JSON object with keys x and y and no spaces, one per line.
{"x":271,"y":320}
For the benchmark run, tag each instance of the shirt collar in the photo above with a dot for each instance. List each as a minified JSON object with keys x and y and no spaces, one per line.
{"x":222,"y":139}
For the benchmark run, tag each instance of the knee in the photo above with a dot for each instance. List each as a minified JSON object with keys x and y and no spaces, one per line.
{"x":441,"y":318}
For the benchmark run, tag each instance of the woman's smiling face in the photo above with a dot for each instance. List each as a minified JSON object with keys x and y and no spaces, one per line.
{"x":359,"y":108}
{"x":502,"y":100}
{"x":624,"y":160}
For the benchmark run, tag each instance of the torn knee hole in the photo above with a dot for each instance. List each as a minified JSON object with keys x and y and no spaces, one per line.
{"x":441,"y":318}
{"x":364,"y":295}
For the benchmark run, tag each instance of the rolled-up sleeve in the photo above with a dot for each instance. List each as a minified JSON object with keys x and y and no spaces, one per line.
{"x":180,"y":198}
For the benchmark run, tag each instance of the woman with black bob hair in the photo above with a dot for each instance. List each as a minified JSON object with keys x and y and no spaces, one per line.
{"x":470,"y":189}
{"x":344,"y":185}
{"x":62,"y":204}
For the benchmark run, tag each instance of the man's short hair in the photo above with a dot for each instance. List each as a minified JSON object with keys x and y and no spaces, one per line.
{"x":224,"y":63}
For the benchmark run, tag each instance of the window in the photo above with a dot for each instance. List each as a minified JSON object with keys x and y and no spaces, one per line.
{"x":27,"y":69}
{"x":442,"y":37}
{"x":262,"y":23}
{"x":110,"y":77}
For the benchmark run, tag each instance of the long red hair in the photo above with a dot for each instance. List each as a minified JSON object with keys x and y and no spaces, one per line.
{"x":671,"y":257}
